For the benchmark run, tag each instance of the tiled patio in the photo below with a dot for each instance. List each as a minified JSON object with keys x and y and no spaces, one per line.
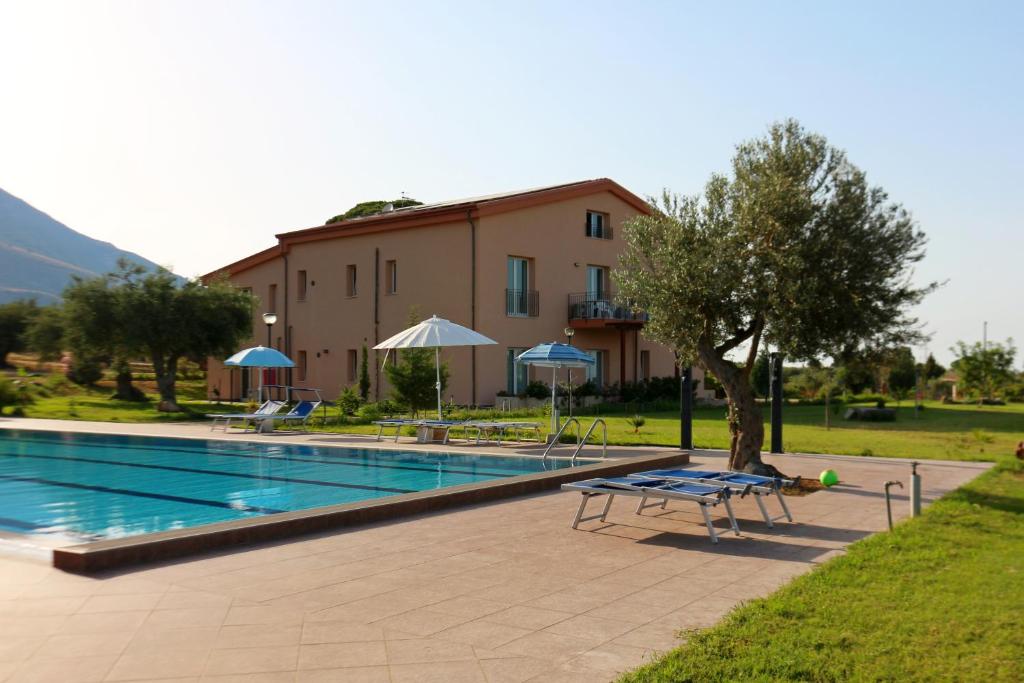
{"x":498,"y":592}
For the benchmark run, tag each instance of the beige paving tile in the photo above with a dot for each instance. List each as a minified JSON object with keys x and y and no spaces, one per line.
{"x":257,"y":635}
{"x":252,"y":660}
{"x":361,"y":674}
{"x":314,"y":632}
{"x":614,"y":657}
{"x":528,"y":617}
{"x":439,"y":672}
{"x":427,"y":650}
{"x":468,"y":606}
{"x":263,"y":614}
{"x":41,"y":607}
{"x":19,"y":649}
{"x":482,"y":633}
{"x":513,"y":669}
{"x":158,"y":664}
{"x":553,"y":646}
{"x":585,"y":626}
{"x":149,"y":639}
{"x":77,"y":670}
{"x":71,"y":646}
{"x":103,"y":622}
{"x":120,"y":602}
{"x":422,"y":622}
{"x":186,"y":617}
{"x":342,"y":655}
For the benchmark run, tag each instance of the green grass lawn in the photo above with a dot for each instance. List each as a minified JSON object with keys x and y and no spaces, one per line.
{"x":943,"y":432}
{"x":939,"y":598}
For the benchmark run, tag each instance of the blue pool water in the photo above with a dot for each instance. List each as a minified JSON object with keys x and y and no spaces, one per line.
{"x":92,"y":486}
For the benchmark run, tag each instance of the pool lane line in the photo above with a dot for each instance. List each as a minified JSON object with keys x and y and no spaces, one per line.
{"x":216,"y":473}
{"x":143,"y":494}
{"x":333,"y":460}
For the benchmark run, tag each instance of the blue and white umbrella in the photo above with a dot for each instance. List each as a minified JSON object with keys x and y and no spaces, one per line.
{"x":260,"y":357}
{"x":555,"y":355}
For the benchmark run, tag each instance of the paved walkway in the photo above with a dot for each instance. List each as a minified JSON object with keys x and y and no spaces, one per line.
{"x":498,"y":592}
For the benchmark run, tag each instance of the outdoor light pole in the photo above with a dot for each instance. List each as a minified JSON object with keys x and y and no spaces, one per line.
{"x":775,"y":375}
{"x":686,"y":409}
{"x":269,"y":319}
{"x":569,"y":332}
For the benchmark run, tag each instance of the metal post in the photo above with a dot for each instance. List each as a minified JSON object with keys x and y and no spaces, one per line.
{"x":915,"y":491}
{"x":775,"y":372}
{"x":686,"y":409}
{"x":888,"y":505}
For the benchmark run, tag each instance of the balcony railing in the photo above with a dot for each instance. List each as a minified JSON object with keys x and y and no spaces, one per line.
{"x":602,"y":233}
{"x":522,"y":303}
{"x":591,"y":306}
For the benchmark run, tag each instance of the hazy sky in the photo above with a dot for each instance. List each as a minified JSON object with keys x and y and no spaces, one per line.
{"x":192,"y":132}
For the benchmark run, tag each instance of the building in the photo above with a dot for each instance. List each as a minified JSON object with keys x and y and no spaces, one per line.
{"x":519,"y":267}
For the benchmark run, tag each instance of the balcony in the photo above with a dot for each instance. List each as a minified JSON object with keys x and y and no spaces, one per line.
{"x":522,"y":303}
{"x":599,"y":310}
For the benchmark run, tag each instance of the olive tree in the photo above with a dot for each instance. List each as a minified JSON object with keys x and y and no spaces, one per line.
{"x":793,"y":248}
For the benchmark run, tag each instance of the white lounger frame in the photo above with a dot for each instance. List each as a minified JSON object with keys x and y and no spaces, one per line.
{"x":643,"y":493}
{"x":757,"y":489}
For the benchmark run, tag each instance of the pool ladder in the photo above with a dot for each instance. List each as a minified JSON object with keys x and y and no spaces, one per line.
{"x":580,"y":443}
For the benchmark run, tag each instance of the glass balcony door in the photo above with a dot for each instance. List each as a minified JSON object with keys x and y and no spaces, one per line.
{"x":518,"y":286}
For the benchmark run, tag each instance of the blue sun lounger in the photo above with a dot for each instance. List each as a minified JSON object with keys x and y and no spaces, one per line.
{"x":397,"y":424}
{"x":300,"y":413}
{"x":706,"y":496}
{"x":266,"y":410}
{"x":737,"y":481}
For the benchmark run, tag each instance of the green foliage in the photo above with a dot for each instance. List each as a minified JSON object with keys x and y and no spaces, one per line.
{"x":370,"y":412}
{"x":413,"y":379}
{"x":985,"y":371}
{"x":372,"y":208}
{"x":794,"y":247}
{"x":348,"y":401}
{"x":364,"y":375}
{"x":8,"y":393}
{"x":902,"y":372}
{"x":947,"y":584}
{"x":760,"y":375}
{"x":15,"y":318}
{"x":636,"y":422}
{"x":85,"y":370}
{"x":931,"y":369}
{"x":132,"y":313}
{"x":537,"y":390}
{"x":45,"y":333}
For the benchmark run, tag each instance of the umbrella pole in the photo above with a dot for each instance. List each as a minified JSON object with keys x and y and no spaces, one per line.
{"x":554,"y":406}
{"x":437,"y":369}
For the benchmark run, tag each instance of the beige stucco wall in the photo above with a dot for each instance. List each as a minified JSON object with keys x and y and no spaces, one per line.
{"x":434,"y":276}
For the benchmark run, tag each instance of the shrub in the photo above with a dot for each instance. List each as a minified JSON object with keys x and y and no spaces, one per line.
{"x":348,"y":401}
{"x":636,"y":422}
{"x":371,"y":412}
{"x":85,"y":371}
{"x":538,"y":390}
{"x":8,"y":393}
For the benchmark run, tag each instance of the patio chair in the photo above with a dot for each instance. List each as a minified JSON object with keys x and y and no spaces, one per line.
{"x":500,"y":430}
{"x":396,"y":423}
{"x":268,"y":408}
{"x":704,"y":495}
{"x":737,"y":481}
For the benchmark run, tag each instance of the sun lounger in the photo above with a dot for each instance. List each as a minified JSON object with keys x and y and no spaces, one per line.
{"x":299,"y":414}
{"x":737,"y":481}
{"x":268,"y":408}
{"x":500,"y":430}
{"x":706,"y":496}
{"x":396,"y":424}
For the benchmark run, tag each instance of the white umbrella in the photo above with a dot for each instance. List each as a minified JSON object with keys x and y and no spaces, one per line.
{"x":435,"y":333}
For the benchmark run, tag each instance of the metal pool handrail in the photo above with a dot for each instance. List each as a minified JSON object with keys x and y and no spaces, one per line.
{"x":604,"y":444}
{"x":558,"y":435}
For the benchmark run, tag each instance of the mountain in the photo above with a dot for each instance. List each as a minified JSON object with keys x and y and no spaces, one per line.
{"x":38,"y":255}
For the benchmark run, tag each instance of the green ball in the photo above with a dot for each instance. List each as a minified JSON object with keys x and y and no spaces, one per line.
{"x":828,"y":477}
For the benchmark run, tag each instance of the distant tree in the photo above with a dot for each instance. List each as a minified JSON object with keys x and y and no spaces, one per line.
{"x":985,"y":370}
{"x":372,"y":208}
{"x":794,"y":248}
{"x":364,"y":375}
{"x":348,"y":401}
{"x":413,"y":377}
{"x":902,"y":372}
{"x":15,"y":318}
{"x":133,"y":313}
{"x":931,"y":369}
{"x":45,"y":333}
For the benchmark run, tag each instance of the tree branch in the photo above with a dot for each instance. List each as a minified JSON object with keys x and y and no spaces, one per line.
{"x":752,"y":351}
{"x":741,"y":336}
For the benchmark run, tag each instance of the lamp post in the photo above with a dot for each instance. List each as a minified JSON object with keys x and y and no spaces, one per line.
{"x":269,"y":319}
{"x":569,"y":332}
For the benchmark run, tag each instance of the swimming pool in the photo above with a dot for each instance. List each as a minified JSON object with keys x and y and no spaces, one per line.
{"x":93,"y":486}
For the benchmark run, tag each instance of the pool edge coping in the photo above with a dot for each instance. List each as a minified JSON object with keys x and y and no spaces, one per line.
{"x":98,"y":556}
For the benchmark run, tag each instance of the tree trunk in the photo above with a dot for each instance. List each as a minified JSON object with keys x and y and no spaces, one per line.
{"x":745,"y":421}
{"x":166,"y":377}
{"x":126,"y":391}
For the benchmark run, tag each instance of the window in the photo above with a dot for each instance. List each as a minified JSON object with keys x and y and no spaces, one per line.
{"x":595,"y":372}
{"x":597,"y":282}
{"x":645,"y":365}
{"x":303,"y":367}
{"x":353,"y":363}
{"x":518,"y":374}
{"x":518,"y":286}
{"x":301,"y":291}
{"x":351,"y":281}
{"x":391,"y":272}
{"x":597,"y":225}
{"x":271,"y":304}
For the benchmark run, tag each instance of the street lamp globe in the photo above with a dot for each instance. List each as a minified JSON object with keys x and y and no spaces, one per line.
{"x":270,"y":318}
